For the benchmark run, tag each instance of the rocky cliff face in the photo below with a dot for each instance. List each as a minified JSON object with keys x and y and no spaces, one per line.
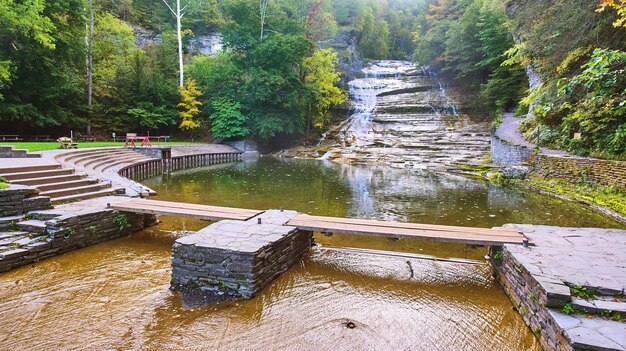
{"x":209,"y":44}
{"x":405,"y":118}
{"x":350,"y":64}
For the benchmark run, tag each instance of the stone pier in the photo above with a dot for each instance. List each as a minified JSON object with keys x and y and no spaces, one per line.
{"x":236,"y":259}
{"x":569,"y":287}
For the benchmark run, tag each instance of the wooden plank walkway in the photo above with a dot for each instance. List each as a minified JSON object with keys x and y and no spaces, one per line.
{"x":430,"y":232}
{"x":394,"y":230}
{"x":180,"y":209}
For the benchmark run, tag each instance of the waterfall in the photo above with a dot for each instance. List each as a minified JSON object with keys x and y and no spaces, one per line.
{"x":404,"y":117}
{"x":363,"y":92}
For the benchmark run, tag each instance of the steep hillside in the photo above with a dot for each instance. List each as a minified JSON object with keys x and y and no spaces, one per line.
{"x":578,"y":53}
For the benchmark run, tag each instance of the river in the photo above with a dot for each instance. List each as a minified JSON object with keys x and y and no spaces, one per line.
{"x":115,"y":295}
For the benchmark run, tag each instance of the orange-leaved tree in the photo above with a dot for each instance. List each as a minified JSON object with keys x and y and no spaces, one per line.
{"x":617,"y":5}
{"x":189,"y":105}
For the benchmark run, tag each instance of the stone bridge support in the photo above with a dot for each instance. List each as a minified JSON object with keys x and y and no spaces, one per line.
{"x":236,"y":259}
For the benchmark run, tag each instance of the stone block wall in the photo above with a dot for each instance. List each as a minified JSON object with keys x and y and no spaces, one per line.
{"x":506,"y":154}
{"x":578,"y":169}
{"x":236,"y":259}
{"x":532,"y":299}
{"x":73,"y":231}
{"x":19,"y":199}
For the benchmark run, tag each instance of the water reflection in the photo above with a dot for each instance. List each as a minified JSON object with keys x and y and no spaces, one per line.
{"x":115,"y":295}
{"x":328,"y":188}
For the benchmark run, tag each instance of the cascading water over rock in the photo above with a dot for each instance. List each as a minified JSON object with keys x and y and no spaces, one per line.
{"x":404,"y":117}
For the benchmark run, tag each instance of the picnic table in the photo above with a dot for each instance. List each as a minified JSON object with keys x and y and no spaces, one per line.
{"x":131,"y":138}
{"x":67,"y":143}
{"x":43,"y":138}
{"x":10,"y":138}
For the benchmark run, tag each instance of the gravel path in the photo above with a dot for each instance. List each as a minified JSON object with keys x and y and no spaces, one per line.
{"x":508,"y":131}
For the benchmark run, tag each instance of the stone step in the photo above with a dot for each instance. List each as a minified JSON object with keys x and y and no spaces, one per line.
{"x":36,"y":174}
{"x":6,"y":148}
{"x":32,"y":226}
{"x":75,"y":190}
{"x":91,"y":195}
{"x":44,"y":215}
{"x":118,"y":161}
{"x":7,"y":222}
{"x":20,"y":169}
{"x":50,"y":180}
{"x":109,"y":154}
{"x":13,"y":234}
{"x":73,"y":155}
{"x":66,"y":184}
{"x":599,"y":305}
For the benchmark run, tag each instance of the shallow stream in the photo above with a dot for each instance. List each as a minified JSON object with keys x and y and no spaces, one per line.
{"x":115,"y":295}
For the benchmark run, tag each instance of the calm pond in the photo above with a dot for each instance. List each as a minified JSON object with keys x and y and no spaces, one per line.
{"x":115,"y":296}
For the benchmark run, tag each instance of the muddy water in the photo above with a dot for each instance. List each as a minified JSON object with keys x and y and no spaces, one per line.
{"x":114,"y":295}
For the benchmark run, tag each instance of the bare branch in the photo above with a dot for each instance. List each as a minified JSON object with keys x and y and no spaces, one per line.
{"x":169,"y":7}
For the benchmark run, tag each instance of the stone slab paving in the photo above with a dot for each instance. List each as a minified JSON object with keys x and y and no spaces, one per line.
{"x":80,"y":207}
{"x":239,"y":236}
{"x":591,"y":257}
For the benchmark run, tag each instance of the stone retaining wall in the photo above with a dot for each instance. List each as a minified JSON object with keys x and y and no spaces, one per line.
{"x":73,"y":231}
{"x":506,"y":154}
{"x":578,"y":169}
{"x":19,"y":199}
{"x":532,"y":298}
{"x":236,"y":259}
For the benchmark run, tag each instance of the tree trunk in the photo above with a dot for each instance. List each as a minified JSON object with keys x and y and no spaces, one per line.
{"x":262,"y":9}
{"x":89,"y":44}
{"x":180,"y":43}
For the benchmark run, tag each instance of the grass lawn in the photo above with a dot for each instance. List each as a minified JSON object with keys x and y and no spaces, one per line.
{"x":53,"y":145}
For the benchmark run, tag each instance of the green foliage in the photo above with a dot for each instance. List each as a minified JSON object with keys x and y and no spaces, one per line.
{"x":4,"y":185}
{"x":321,"y":80}
{"x":227,"y":120}
{"x":591,"y":103}
{"x":581,"y":292}
{"x":69,"y":233}
{"x":374,"y":37}
{"x":263,"y":88}
{"x":41,"y":57}
{"x":568,"y":309}
{"x":121,"y":220}
{"x":472,"y":42}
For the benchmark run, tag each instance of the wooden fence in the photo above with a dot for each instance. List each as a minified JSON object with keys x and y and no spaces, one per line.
{"x":150,"y":168}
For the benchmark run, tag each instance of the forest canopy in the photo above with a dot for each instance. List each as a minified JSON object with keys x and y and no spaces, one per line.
{"x":114,"y":66}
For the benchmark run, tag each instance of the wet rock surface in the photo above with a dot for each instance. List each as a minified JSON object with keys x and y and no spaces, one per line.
{"x":404,"y":118}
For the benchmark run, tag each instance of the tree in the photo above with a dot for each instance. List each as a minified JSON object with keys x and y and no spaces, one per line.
{"x":89,"y":61}
{"x":178,"y":14}
{"x":321,"y":80}
{"x":189,"y":105}
{"x":22,"y":21}
{"x":619,"y":6}
{"x":227,"y":121}
{"x":374,"y":37}
{"x":42,"y":50}
{"x":262,"y":13}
